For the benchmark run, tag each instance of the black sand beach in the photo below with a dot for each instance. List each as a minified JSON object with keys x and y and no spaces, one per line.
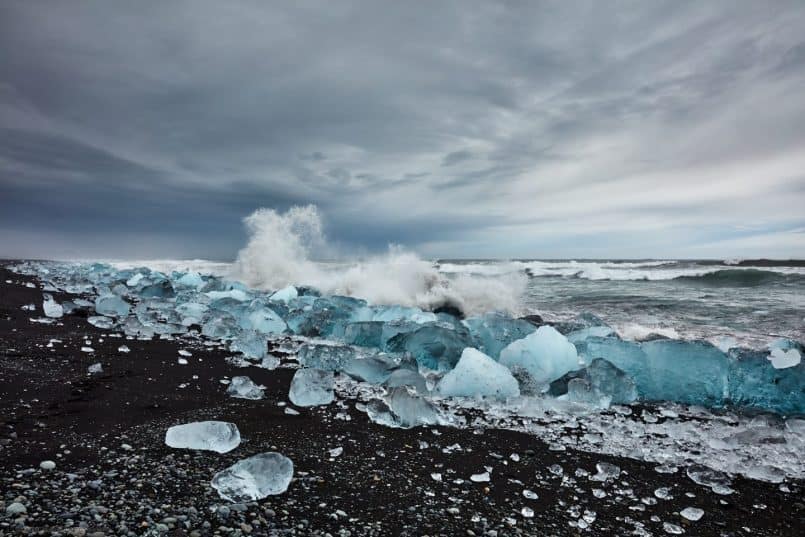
{"x":115,"y":476}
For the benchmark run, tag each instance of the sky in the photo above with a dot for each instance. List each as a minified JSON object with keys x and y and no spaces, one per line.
{"x":455,"y":129}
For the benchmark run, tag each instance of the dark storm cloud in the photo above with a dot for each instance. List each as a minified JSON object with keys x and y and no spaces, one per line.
{"x":460,"y":128}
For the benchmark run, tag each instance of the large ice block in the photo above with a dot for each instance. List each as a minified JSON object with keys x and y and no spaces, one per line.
{"x":476,"y":374}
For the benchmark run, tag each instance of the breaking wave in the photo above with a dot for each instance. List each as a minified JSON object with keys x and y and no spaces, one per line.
{"x":707,"y":273}
{"x":282,"y":247}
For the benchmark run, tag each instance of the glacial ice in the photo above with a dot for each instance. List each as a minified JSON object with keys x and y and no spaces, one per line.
{"x":433,"y":346}
{"x":375,"y":369}
{"x":324,"y":356}
{"x":285,"y":295}
{"x":476,"y":374}
{"x":251,"y":344}
{"x":244,"y":388}
{"x":544,"y":355}
{"x":783,"y":359}
{"x":404,"y":410}
{"x":495,"y":331}
{"x":599,"y":385}
{"x":52,"y":308}
{"x":254,"y":478}
{"x":219,"y":436}
{"x":111,"y":306}
{"x":311,"y":387}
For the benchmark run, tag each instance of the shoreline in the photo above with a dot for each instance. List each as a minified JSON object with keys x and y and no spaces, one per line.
{"x":115,"y":475}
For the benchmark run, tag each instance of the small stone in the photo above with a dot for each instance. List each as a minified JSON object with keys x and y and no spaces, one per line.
{"x":16,"y":508}
{"x":47,"y":465}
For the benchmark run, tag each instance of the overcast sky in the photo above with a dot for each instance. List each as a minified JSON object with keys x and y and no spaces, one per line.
{"x":457,"y":129}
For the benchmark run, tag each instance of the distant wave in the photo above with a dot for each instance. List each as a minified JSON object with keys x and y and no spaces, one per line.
{"x":707,"y":272}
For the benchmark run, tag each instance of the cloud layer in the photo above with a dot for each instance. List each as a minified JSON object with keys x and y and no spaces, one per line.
{"x":459,"y":129}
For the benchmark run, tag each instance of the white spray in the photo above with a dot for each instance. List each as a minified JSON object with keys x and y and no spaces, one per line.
{"x":281,"y":246}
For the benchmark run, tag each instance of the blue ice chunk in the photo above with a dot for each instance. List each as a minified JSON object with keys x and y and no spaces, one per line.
{"x":325,"y":356}
{"x":191,"y":313}
{"x":364,"y":333}
{"x":374,"y":369}
{"x":693,"y":372}
{"x":254,"y":478}
{"x":262,"y":318}
{"x":244,"y":388}
{"x":285,"y":294}
{"x":433,"y":346}
{"x":324,"y":317}
{"x":407,"y":377}
{"x":112,"y":306}
{"x":494,"y":331}
{"x":250,"y":343}
{"x":402,"y":313}
{"x":190,"y":279}
{"x":221,"y":326}
{"x":311,"y":387}
{"x":100,"y":321}
{"x":578,"y":336}
{"x":161,"y":289}
{"x":755,"y":383}
{"x":52,"y":308}
{"x":544,"y":356}
{"x":234,"y":294}
{"x":478,"y":374}
{"x":599,"y":384}
{"x":403,"y":410}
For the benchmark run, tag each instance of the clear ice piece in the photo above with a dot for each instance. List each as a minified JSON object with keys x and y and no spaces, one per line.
{"x":218,"y":436}
{"x":244,"y":388}
{"x":545,"y":355}
{"x":255,"y":478}
{"x":312,"y":387}
{"x":476,"y":374}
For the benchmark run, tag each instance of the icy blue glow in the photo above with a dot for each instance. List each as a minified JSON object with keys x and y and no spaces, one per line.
{"x":544,"y":355}
{"x":494,"y":331}
{"x":478,"y":374}
{"x":311,"y":387}
{"x":255,"y":478}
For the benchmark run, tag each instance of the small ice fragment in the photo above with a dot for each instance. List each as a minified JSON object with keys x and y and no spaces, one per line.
{"x":555,"y":469}
{"x":182,"y":361}
{"x":95,"y":368}
{"x":219,"y":436}
{"x":244,"y":388}
{"x":185,"y":353}
{"x":111,"y":306}
{"x":254,"y":478}
{"x":663,"y":493}
{"x":47,"y":465}
{"x":335,"y":452}
{"x":530,"y":494}
{"x":290,"y":411}
{"x":101,"y":321}
{"x":527,"y":512}
{"x":782,"y":359}
{"x":692,"y":513}
{"x":606,"y":471}
{"x":673,"y":529}
{"x":123,"y":348}
{"x":717,"y":481}
{"x":436,"y":476}
{"x":515,"y":457}
{"x":480,"y":478}
{"x":311,"y":387}
{"x":51,"y":307}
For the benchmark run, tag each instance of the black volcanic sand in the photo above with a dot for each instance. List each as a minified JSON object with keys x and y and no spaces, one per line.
{"x":115,"y":476}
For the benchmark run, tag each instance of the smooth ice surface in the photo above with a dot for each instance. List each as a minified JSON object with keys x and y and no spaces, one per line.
{"x":285,"y":295}
{"x":244,"y":388}
{"x":52,"y":308}
{"x":478,"y":374}
{"x":544,"y":355}
{"x":311,"y":387}
{"x":251,"y":344}
{"x":219,"y":436}
{"x":433,"y":346}
{"x":403,"y":409}
{"x":495,"y":331}
{"x":599,"y":384}
{"x":692,"y":513}
{"x":255,"y":478}
{"x":783,"y":359}
{"x":112,"y":306}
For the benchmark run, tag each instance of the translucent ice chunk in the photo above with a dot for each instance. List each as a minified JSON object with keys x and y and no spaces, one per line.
{"x":255,"y":478}
{"x":783,"y":359}
{"x":244,"y":388}
{"x":404,"y":410}
{"x":692,"y":513}
{"x":112,"y":306}
{"x":101,"y":321}
{"x":719,"y":482}
{"x":311,"y":387}
{"x":407,"y":377}
{"x":251,"y":344}
{"x":324,"y":356}
{"x":755,"y":382}
{"x":191,"y":279}
{"x":433,"y":346}
{"x":285,"y":295}
{"x":495,"y":331}
{"x":263,"y":319}
{"x":478,"y":374}
{"x":51,"y":307}
{"x":544,"y":355}
{"x":364,"y":333}
{"x":219,"y":436}
{"x":374,"y":369}
{"x":599,"y":384}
